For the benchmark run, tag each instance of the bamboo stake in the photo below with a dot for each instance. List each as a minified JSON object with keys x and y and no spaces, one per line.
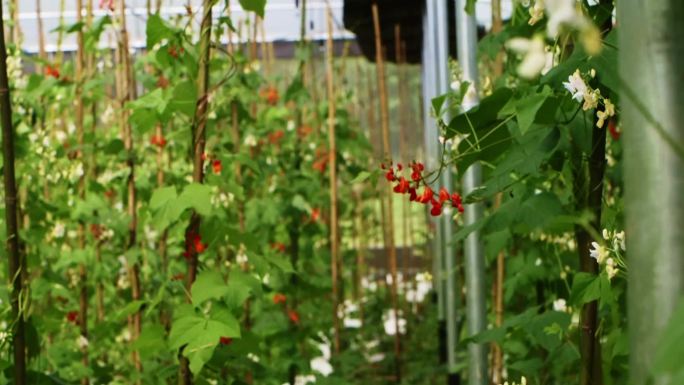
{"x":403,"y":108}
{"x":127,"y":92}
{"x":17,"y":264}
{"x":497,"y":351}
{"x":333,"y":180}
{"x":384,"y":119}
{"x":41,"y":36}
{"x":60,"y":35}
{"x":198,"y":143}
{"x":80,"y":132}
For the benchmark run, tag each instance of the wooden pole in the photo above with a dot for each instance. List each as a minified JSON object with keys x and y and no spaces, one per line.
{"x":126,"y":95}
{"x":198,"y":141}
{"x":41,"y":37}
{"x":17,"y":264}
{"x":60,"y":34}
{"x":334,"y":247}
{"x":80,"y":132}
{"x":384,"y":120}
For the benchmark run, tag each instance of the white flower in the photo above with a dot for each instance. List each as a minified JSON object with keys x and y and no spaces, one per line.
{"x":250,"y":141}
{"x":82,"y":342}
{"x":303,"y":380}
{"x":59,"y":230}
{"x":619,"y":240}
{"x":608,"y":111}
{"x":598,"y":252}
{"x":455,"y":85}
{"x":253,"y":357}
{"x":392,"y":320}
{"x":611,"y":269}
{"x":560,"y":305}
{"x":591,"y":99}
{"x":535,"y":55}
{"x":352,"y":323}
{"x":321,"y":365}
{"x":576,"y":86}
{"x":563,"y":13}
{"x":536,"y":12}
{"x":61,"y":136}
{"x":291,"y":125}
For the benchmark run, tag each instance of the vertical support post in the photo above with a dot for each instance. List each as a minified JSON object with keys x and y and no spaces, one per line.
{"x":651,"y":59}
{"x":431,"y":138}
{"x":451,"y":298}
{"x":466,"y":35}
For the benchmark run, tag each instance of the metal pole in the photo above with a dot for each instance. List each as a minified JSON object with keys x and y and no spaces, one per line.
{"x":651,"y":60}
{"x":466,"y":32}
{"x":451,"y":297}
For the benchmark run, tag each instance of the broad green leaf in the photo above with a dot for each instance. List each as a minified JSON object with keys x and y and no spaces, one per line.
{"x":527,"y":108}
{"x":585,"y":288}
{"x":198,"y":197}
{"x":129,"y":309}
{"x":162,"y":196}
{"x":209,"y":284}
{"x":362,"y":176}
{"x":156,"y":31}
{"x":256,"y":6}
{"x":184,"y":98}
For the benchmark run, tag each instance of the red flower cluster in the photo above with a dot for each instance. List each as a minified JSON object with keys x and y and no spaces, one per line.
{"x":279,"y":298}
{"x":405,"y":186}
{"x":216,"y":166}
{"x":175,"y":52}
{"x":322,"y":157}
{"x":107,"y":4}
{"x":279,"y":247}
{"x":271,"y":96}
{"x":225,"y":340}
{"x":304,"y":131}
{"x":315,"y":214}
{"x":52,"y":71}
{"x":293,"y":316}
{"x":72,"y":317}
{"x":193,"y":243}
{"x":158,"y":140}
{"x":275,"y":136}
{"x":96,"y":230}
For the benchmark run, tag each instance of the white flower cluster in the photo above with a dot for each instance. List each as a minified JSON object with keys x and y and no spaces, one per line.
{"x":393,"y":320}
{"x":610,"y":257}
{"x":592,"y":97}
{"x":523,"y":381}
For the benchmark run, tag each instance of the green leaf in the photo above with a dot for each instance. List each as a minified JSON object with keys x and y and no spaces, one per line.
{"x":585,"y":288}
{"x":198,"y":197}
{"x":162,"y":196}
{"x":257,"y":6}
{"x":470,"y":6}
{"x":199,"y":336}
{"x":240,"y":286}
{"x":156,"y":31}
{"x":527,"y":108}
{"x":129,"y":309}
{"x":184,"y":98}
{"x":209,"y":284}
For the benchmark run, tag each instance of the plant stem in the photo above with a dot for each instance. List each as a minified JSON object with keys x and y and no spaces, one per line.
{"x":17,"y":264}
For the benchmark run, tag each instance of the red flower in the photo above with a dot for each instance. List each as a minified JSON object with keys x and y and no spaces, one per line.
{"x":270,"y":94}
{"x":96,"y":230}
{"x":52,"y":71}
{"x":443,"y":195}
{"x":402,"y":187}
{"x":293,"y":316}
{"x":315,"y":214}
{"x":225,"y":340}
{"x":413,"y":196}
{"x":158,"y":140}
{"x":390,"y":175}
{"x":175,"y":52}
{"x":162,"y":82}
{"x":426,"y":196}
{"x":436,"y":208}
{"x":178,"y":277}
{"x":216,"y":166}
{"x":108,"y":4}
{"x":193,"y":244}
{"x":279,"y":298}
{"x":612,"y":129}
{"x":72,"y":317}
{"x":278,"y":246}
{"x":457,"y":202}
{"x":275,"y":136}
{"x":399,"y":167}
